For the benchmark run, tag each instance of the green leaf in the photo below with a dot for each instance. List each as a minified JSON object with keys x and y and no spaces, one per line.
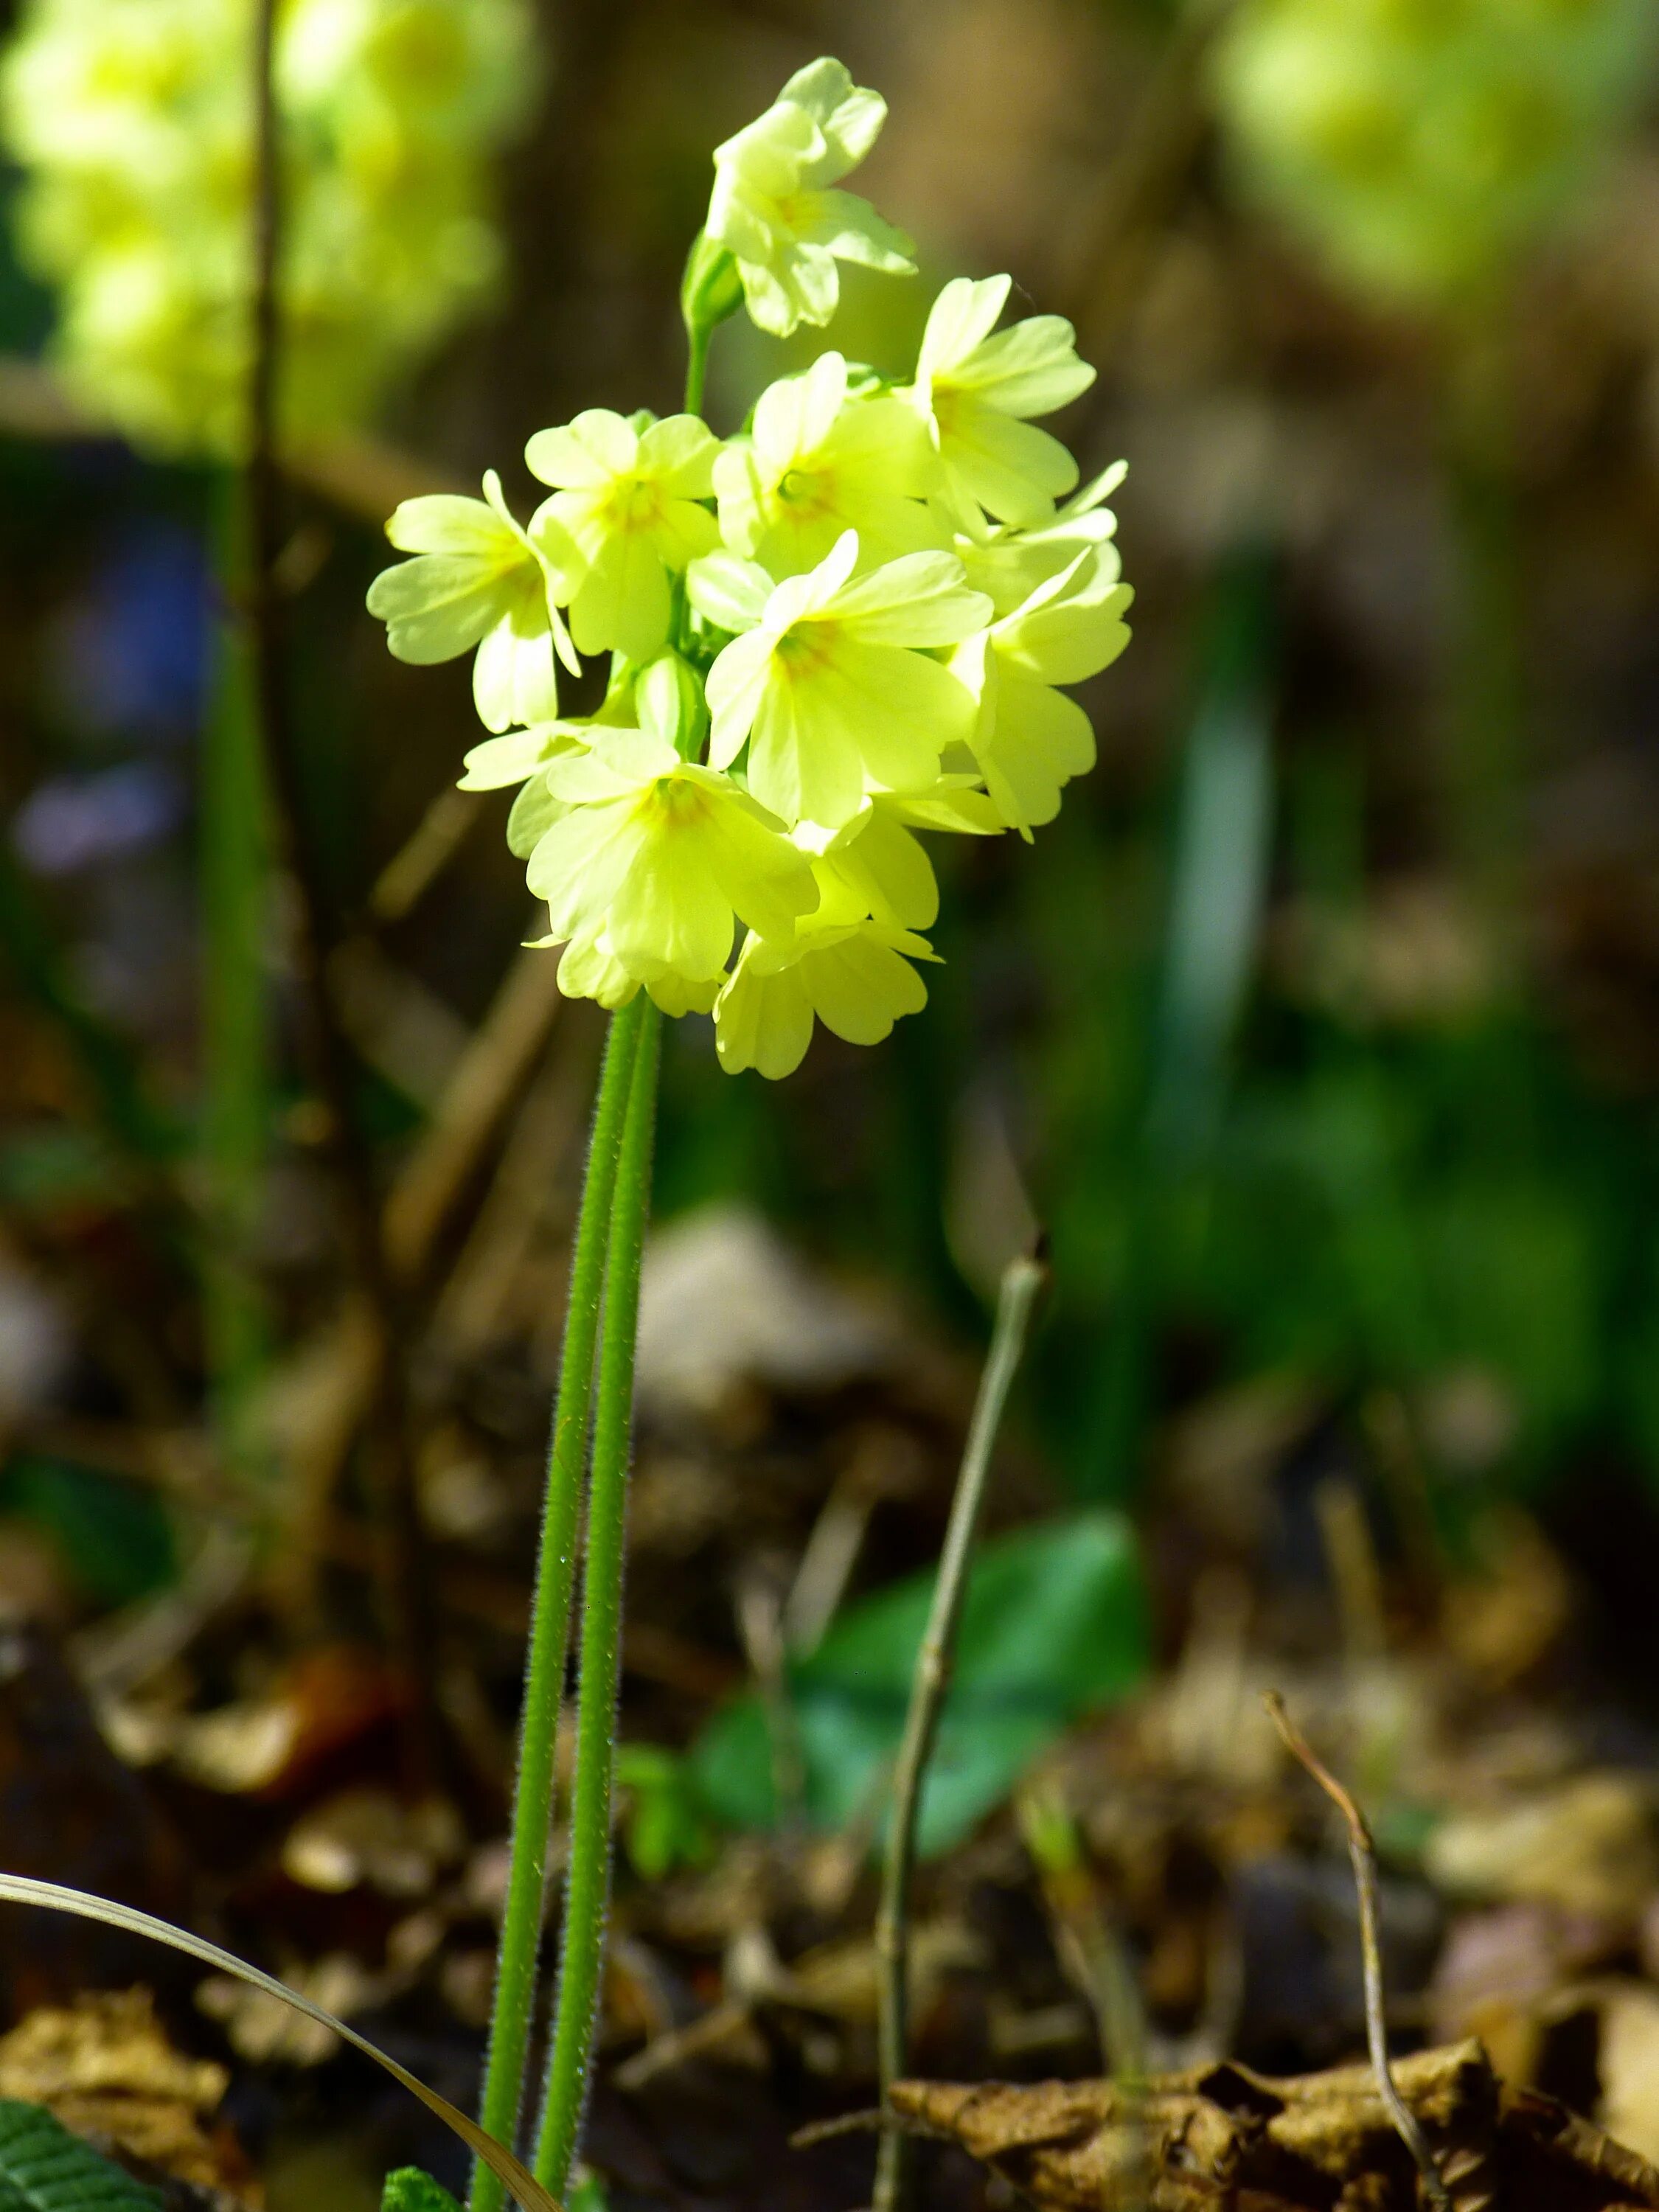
{"x":664,"y":1824}
{"x":44,"y":2168}
{"x":115,"y":1538}
{"x":410,"y":2189}
{"x":1055,"y":1624}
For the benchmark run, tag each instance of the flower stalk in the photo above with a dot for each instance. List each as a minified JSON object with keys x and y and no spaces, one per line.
{"x":587,"y":1887}
{"x":550,"y":1630}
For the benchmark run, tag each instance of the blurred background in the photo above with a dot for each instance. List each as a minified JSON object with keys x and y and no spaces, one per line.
{"x":1319,"y":1032}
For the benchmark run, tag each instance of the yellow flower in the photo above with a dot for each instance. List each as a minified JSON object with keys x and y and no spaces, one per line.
{"x":816,"y":463}
{"x":627,"y":496}
{"x":876,"y":868}
{"x":976,"y":390}
{"x":773,"y":208}
{"x":499,"y":762}
{"x":856,"y":978}
{"x":589,"y":968}
{"x":478,"y":581}
{"x":651,"y":857}
{"x":830,"y":686}
{"x":1008,"y":565}
{"x":1029,"y":739}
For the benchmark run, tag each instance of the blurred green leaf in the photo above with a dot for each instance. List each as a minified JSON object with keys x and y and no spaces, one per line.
{"x":114,"y":1538}
{"x":1055,"y":1624}
{"x":664,"y":1824}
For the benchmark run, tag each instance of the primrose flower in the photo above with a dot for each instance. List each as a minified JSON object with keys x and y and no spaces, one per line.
{"x":817,"y":463}
{"x":834,"y":637}
{"x":876,"y":868}
{"x":1007,"y":565}
{"x":855,"y":978}
{"x":627,"y":496}
{"x":656,"y":855}
{"x":830,"y":686}
{"x":773,"y":208}
{"x":500,"y":762}
{"x":1029,"y":739}
{"x":478,"y":581}
{"x":975,"y":392}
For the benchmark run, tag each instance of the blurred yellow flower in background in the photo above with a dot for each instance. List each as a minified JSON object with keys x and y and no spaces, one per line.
{"x":132,"y":121}
{"x":1419,"y":144}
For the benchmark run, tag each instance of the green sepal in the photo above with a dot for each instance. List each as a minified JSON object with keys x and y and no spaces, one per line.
{"x":711,"y":291}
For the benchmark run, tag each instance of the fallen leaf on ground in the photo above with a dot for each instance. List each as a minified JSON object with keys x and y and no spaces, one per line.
{"x":104,"y":2068}
{"x":1223,"y":2139}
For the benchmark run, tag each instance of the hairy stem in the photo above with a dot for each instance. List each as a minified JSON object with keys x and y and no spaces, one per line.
{"x":1021,"y":1280}
{"x":549,"y":1629}
{"x":587,"y":1887}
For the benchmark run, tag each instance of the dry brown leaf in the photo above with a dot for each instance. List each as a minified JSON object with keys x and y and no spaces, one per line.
{"x":1586,"y":1846}
{"x":104,"y":2068}
{"x":1223,"y":2139}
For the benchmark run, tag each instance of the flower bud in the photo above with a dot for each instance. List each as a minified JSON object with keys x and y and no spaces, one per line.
{"x":711,"y":291}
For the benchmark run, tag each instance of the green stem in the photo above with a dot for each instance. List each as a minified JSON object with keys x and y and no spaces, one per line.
{"x":234,"y":878}
{"x":588,"y":1885}
{"x":1021,"y":1280}
{"x":532,"y":1805}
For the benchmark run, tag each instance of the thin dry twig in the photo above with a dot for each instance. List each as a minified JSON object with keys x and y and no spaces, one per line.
{"x":361,"y":476}
{"x":424,"y":854}
{"x":1362,"y":1852}
{"x":1021,"y":1280}
{"x":403,"y":1580}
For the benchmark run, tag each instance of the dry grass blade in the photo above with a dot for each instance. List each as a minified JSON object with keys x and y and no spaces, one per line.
{"x":54,"y":1897}
{"x":1362,"y":1852}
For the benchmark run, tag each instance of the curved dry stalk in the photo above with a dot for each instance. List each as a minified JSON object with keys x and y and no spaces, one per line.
{"x":56,"y":1897}
{"x":1021,"y":1280}
{"x":1362,"y":1852}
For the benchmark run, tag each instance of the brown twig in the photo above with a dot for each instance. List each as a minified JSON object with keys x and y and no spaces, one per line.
{"x":872,"y":2121}
{"x":361,"y":476}
{"x":404,"y":1590}
{"x":1021,"y":1280}
{"x":1362,"y":1852}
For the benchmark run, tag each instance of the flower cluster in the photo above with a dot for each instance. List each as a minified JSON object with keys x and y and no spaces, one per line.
{"x":845,"y":626}
{"x":133,"y":123}
{"x":1420,"y":143}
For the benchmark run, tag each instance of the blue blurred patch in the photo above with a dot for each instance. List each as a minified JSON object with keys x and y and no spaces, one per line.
{"x":128,"y":656}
